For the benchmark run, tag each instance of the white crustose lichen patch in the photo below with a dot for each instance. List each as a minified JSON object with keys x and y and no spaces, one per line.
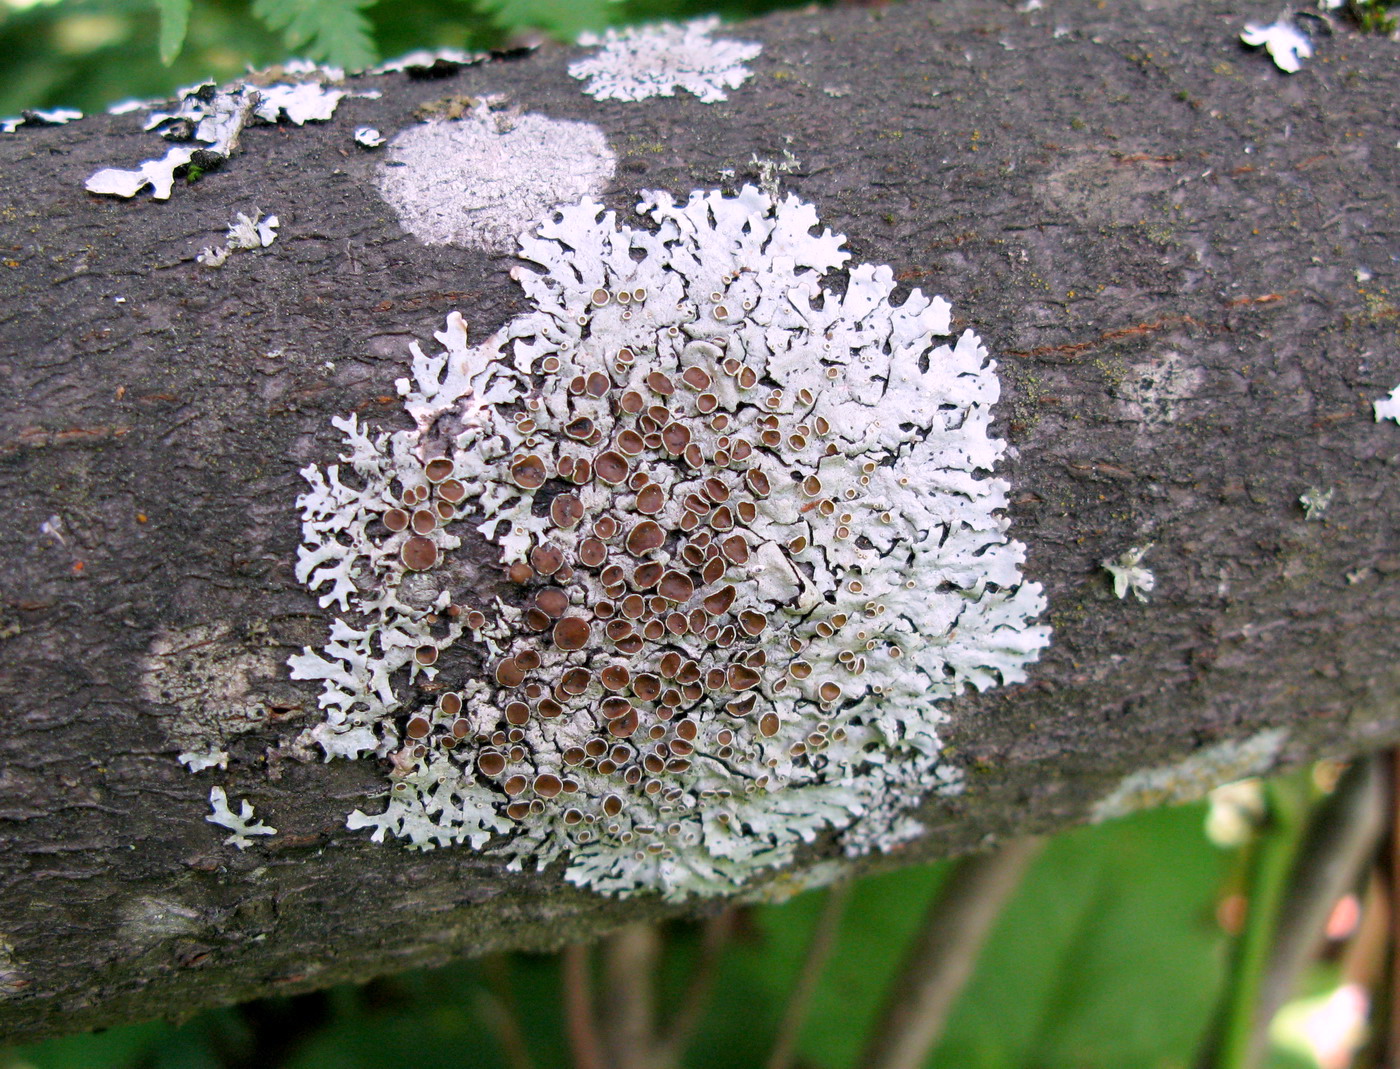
{"x":750,"y":542}
{"x":1152,"y":392}
{"x":207,"y":685}
{"x":147,"y":920}
{"x":651,"y":61}
{"x":480,"y":180}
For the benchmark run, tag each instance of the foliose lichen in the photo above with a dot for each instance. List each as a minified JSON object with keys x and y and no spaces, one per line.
{"x":1316,"y":501}
{"x":242,"y":824}
{"x":1286,"y":44}
{"x":40,"y":117}
{"x":751,"y":547}
{"x":368,"y":137}
{"x":1129,"y":574}
{"x":245,"y":232}
{"x":431,"y":62}
{"x":649,"y":61}
{"x":208,"y":123}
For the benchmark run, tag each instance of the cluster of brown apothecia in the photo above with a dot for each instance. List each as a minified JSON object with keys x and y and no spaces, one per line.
{"x":638,"y":647}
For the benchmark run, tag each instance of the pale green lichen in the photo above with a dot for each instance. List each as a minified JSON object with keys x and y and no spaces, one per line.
{"x":1129,"y":575}
{"x":1194,"y":777}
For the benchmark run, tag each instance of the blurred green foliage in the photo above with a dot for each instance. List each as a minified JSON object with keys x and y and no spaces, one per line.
{"x":89,"y":53}
{"x":1374,"y":16}
{"x":1109,"y":957}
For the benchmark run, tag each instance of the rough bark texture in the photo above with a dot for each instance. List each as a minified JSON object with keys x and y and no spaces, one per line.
{"x":1156,"y":232}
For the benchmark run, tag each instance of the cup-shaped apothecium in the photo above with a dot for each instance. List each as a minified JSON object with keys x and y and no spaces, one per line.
{"x":752,"y":540}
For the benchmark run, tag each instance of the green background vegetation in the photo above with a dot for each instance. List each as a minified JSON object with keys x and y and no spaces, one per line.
{"x":89,"y":53}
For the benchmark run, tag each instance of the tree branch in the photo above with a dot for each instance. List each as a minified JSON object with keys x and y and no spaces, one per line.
{"x":1157,"y":234}
{"x":943,"y":954}
{"x":819,"y":949}
{"x":576,"y":971}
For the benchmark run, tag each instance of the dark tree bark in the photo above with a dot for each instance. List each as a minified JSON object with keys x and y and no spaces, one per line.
{"x":1157,"y":233}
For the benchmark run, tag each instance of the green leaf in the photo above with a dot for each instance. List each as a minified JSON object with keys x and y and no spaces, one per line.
{"x":564,"y":21}
{"x":1108,"y":956}
{"x":174,"y":21}
{"x":332,"y":31}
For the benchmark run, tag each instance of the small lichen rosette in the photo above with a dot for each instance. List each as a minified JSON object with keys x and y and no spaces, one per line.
{"x":750,"y":535}
{"x":639,"y":62}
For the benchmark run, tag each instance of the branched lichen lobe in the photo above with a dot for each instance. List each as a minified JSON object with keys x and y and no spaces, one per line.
{"x":754,"y":542}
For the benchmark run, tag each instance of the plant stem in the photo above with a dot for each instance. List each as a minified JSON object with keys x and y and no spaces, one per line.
{"x":504,"y":1016}
{"x":628,"y":1002}
{"x":718,"y":930}
{"x":818,"y":952}
{"x":1340,"y":842}
{"x":578,"y":1008}
{"x":1232,"y":1038}
{"x":942,"y":955}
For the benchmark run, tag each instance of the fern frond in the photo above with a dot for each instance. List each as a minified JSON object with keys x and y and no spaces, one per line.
{"x":332,"y":31}
{"x":564,"y":21}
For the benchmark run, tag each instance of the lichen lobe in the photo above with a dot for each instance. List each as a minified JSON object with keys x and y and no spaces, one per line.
{"x":752,"y":540}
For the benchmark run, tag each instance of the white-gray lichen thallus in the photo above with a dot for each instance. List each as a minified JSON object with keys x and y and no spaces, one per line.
{"x":1286,"y":44}
{"x":1316,"y":501}
{"x":750,"y":536}
{"x":1388,"y":407}
{"x":639,"y":62}
{"x":242,"y":823}
{"x":211,"y":121}
{"x":1130,"y":576}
